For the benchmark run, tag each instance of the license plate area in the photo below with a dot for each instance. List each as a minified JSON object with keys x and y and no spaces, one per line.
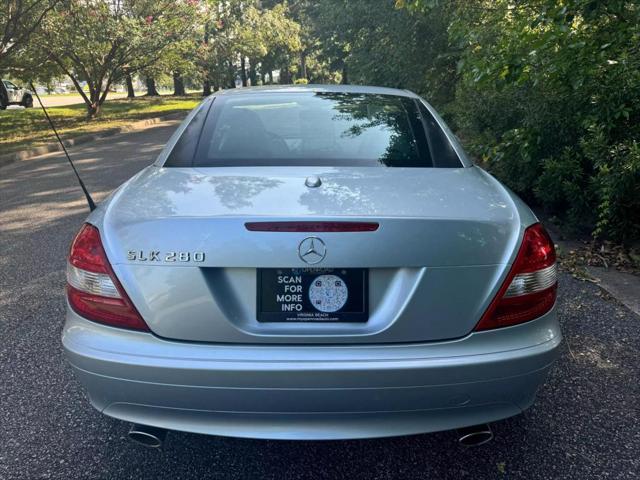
{"x":313,"y":295}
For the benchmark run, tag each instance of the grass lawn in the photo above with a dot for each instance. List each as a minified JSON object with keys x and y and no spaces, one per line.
{"x":24,"y":128}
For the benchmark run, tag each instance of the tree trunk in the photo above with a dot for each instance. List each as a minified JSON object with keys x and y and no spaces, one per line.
{"x":253,"y":73}
{"x":345,"y":77}
{"x":93,"y":107}
{"x":4,"y":96}
{"x":230,"y":78}
{"x":152,"y":91}
{"x":206,"y":85}
{"x":243,"y":71}
{"x":178,"y":85}
{"x":130,"y":92}
{"x":206,"y":88}
{"x":93,"y":110}
{"x":285,"y":76}
{"x":303,"y":65}
{"x":271,"y":76}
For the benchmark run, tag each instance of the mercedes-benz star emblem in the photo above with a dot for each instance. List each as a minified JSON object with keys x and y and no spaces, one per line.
{"x":312,"y":250}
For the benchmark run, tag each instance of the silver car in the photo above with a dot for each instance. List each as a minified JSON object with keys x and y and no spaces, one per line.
{"x":313,"y":262}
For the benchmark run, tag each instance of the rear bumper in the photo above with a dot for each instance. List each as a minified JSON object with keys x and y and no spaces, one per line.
{"x":311,"y":392}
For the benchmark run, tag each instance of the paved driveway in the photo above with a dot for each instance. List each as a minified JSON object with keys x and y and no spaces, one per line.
{"x":62,"y":100}
{"x":584,"y":425}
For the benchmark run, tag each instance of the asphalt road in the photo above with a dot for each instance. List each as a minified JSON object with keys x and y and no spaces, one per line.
{"x":584,"y":424}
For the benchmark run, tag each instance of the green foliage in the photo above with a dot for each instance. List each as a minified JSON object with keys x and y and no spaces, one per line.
{"x":244,"y":38}
{"x":97,"y":41}
{"x":617,"y":182}
{"x":277,"y":37}
{"x":385,"y":45}
{"x":27,"y":128}
{"x":549,"y":98}
{"x":545,"y":93}
{"x":18,"y":20}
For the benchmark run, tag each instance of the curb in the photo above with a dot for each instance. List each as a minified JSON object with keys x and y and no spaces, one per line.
{"x":624,"y":287}
{"x":55,"y":146}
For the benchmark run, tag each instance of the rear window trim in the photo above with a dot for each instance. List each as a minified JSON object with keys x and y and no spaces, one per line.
{"x":424,"y":128}
{"x":465,"y":162}
{"x":170,"y":161}
{"x":204,"y":122}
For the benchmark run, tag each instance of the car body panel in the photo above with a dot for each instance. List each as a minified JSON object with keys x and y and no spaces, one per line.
{"x":438,"y":227}
{"x":447,"y":193}
{"x":445,"y":242}
{"x":219,"y":305}
{"x":311,"y":392}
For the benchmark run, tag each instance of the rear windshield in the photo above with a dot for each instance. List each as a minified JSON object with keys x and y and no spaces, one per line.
{"x":313,"y":129}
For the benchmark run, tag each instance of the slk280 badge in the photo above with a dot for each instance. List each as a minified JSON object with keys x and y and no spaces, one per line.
{"x":169,"y":257}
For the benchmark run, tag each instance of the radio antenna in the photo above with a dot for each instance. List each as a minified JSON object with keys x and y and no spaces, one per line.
{"x":92,"y":205}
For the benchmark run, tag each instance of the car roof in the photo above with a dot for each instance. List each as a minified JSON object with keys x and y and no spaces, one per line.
{"x":317,"y":88}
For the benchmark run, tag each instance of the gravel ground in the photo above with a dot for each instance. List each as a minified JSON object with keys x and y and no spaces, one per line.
{"x":584,"y":424}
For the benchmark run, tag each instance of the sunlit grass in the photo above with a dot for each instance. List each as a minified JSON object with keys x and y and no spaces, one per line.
{"x":24,"y":128}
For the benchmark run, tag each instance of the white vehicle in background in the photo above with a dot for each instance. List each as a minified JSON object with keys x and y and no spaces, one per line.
{"x":10,"y":94}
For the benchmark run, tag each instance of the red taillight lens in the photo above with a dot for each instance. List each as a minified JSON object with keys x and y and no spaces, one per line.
{"x":87,"y":252}
{"x":93,"y":290}
{"x":537,"y":251}
{"x":529,"y":291}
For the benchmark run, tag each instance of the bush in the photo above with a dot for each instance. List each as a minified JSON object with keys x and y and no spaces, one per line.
{"x":618,"y":187}
{"x":549,"y":100}
{"x":545,"y":93}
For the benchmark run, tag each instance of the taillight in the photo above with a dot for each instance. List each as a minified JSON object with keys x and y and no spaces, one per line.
{"x":529,"y":291}
{"x":93,"y":290}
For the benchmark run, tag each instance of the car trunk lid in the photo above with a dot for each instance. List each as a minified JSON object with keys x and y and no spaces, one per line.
{"x":178,"y":241}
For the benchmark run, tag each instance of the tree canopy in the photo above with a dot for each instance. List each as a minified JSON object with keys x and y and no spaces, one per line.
{"x":96,"y":41}
{"x":18,"y":20}
{"x":543,"y":93}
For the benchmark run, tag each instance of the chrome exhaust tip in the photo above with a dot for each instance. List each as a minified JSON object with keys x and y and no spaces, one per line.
{"x":475,"y":436}
{"x":151,"y":437}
